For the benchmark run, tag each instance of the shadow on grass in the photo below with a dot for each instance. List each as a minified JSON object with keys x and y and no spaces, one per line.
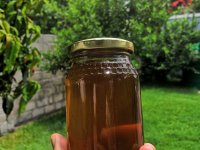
{"x":55,"y":122}
{"x":171,"y":87}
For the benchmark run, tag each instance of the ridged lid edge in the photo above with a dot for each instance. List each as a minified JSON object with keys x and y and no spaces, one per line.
{"x":102,"y":43}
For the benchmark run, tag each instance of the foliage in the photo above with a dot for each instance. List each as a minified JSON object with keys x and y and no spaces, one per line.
{"x":116,"y":16}
{"x":17,"y":32}
{"x":51,"y":15}
{"x":108,"y":18}
{"x":163,"y":48}
{"x":78,"y":21}
{"x":177,"y":40}
{"x":113,"y":16}
{"x":145,"y":28}
{"x":196,"y":6}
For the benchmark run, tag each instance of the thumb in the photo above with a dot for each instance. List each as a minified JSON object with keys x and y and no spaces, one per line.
{"x":58,"y":142}
{"x":147,"y":146}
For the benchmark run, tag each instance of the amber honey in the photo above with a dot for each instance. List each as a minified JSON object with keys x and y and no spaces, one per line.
{"x":103,"y":102}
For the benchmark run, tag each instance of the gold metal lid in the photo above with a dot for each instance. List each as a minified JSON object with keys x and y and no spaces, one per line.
{"x":102,"y":43}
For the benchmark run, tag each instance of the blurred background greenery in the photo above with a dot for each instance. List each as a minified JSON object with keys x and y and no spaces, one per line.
{"x":164,"y":48}
{"x":167,"y":56}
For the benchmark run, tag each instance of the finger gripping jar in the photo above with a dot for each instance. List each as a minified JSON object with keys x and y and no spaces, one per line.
{"x":103,"y":97}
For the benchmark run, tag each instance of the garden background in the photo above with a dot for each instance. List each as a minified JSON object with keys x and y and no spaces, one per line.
{"x":167,"y":56}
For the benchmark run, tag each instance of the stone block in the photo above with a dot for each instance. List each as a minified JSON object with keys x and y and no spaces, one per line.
{"x":50,"y":100}
{"x":35,"y":97}
{"x":1,"y":110}
{"x":62,"y":88}
{"x":3,"y":128}
{"x":58,"y":81}
{"x":11,"y":126}
{"x":60,"y":73}
{"x":46,"y":100}
{"x":64,"y":95}
{"x":42,"y":102}
{"x":37,"y":75}
{"x":37,"y":112}
{"x":57,"y":89}
{"x":27,"y":115}
{"x":1,"y":101}
{"x":12,"y":117}
{"x":60,"y":105}
{"x":6,"y":127}
{"x":58,"y":97}
{"x":45,"y":42}
{"x":2,"y":117}
{"x":46,"y":75}
{"x":49,"y":91}
{"x":49,"y":108}
{"x":40,"y":95}
{"x":31,"y":105}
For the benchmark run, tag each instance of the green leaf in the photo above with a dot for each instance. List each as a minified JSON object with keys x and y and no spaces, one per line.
{"x":2,"y":35}
{"x":35,"y":58}
{"x":1,"y":10}
{"x":14,"y":31}
{"x":19,"y":3}
{"x":28,"y":91}
{"x":2,"y":15}
{"x":11,"y":6}
{"x":5,"y":26}
{"x":32,"y":30}
{"x":12,"y":13}
{"x":11,"y":54}
{"x":23,"y":10}
{"x":166,"y":50}
{"x":8,"y":40}
{"x":2,"y":32}
{"x":1,"y":45}
{"x":18,"y":90}
{"x":7,"y":105}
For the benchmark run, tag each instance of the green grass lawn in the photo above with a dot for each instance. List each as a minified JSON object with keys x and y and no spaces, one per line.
{"x":171,"y":122}
{"x":34,"y":135}
{"x":172,"y":118}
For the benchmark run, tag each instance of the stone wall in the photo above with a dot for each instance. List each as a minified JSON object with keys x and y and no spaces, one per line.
{"x":49,"y":99}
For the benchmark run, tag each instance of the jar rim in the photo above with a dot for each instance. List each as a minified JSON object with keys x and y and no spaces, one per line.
{"x":102,"y":43}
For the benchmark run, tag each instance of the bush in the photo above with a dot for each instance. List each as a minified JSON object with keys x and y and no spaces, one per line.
{"x":166,"y":52}
{"x":163,"y":48}
{"x":52,"y":15}
{"x":78,"y":22}
{"x":196,"y":5}
{"x":145,"y":29}
{"x":177,"y":40}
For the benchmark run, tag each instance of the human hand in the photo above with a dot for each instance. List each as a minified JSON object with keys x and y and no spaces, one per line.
{"x":60,"y":143}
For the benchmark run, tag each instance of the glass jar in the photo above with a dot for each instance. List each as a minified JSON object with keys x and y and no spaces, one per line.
{"x":103,"y":97}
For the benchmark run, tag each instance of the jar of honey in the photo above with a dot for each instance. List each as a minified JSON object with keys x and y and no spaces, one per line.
{"x":103,"y":97}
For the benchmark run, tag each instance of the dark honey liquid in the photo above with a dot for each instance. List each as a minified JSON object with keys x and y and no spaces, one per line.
{"x":103,"y":105}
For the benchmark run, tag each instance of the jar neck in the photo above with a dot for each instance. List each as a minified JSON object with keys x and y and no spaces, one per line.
{"x":101,"y":55}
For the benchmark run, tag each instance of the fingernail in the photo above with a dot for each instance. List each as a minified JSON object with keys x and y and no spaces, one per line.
{"x":150,"y":146}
